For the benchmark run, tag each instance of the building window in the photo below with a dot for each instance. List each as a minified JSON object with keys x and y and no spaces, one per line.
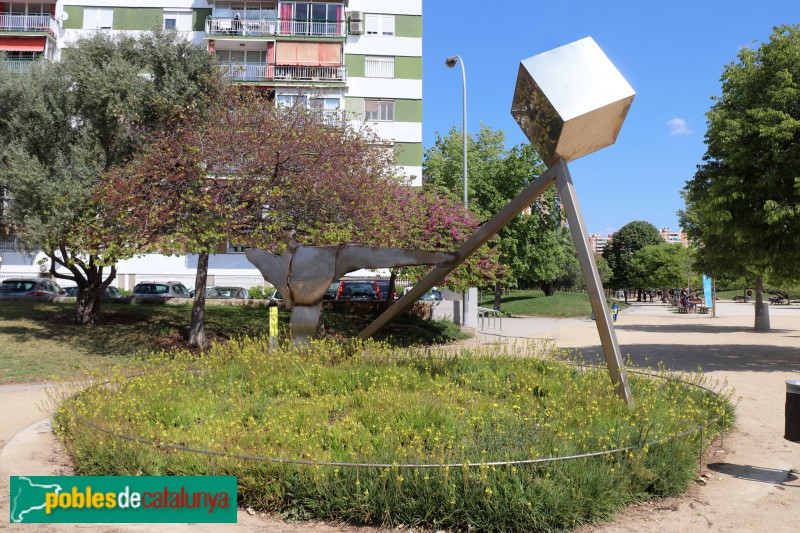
{"x":178,"y":19}
{"x":98,"y":18}
{"x":327,"y":110}
{"x":379,"y":110}
{"x":379,"y":67}
{"x":379,"y":24}
{"x":292,"y":100}
{"x":232,"y":249}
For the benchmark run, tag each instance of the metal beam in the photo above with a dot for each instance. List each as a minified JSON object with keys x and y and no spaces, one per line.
{"x":605,"y":327}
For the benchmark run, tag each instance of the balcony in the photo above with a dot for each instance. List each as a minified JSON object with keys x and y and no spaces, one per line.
{"x":259,"y":72}
{"x":229,"y":27}
{"x":44,"y":23}
{"x":17,"y":66}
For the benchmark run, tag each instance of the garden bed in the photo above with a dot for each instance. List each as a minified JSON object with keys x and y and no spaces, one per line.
{"x":470,"y":439}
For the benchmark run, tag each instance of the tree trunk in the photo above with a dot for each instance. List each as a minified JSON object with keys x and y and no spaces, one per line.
{"x":90,"y":288}
{"x":88,"y":308}
{"x":762,"y":311}
{"x":498,"y":295}
{"x":389,"y":297}
{"x":197,"y":329}
{"x":547,"y":287}
{"x":638,"y":295}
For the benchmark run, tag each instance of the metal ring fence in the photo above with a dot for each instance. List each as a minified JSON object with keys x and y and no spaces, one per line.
{"x":175,"y":447}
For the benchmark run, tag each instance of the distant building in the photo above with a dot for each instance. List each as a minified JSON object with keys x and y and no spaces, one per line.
{"x":674,"y":237}
{"x":597,"y":242}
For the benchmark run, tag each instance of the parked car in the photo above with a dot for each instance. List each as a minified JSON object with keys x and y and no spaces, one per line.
{"x":354,"y":290}
{"x":332,"y":291}
{"x":383,"y":285}
{"x":228,"y":293}
{"x":110,"y":294}
{"x":159,"y":291}
{"x":37,"y":289}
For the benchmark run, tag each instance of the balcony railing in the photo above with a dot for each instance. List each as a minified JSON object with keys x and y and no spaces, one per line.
{"x":265,"y":72}
{"x":9,"y":243}
{"x":17,"y":66}
{"x":217,"y":26}
{"x":330,"y":117}
{"x":301,"y":73}
{"x":28,"y":23}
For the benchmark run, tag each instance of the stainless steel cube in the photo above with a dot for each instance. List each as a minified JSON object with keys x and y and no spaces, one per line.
{"x":570,"y":101}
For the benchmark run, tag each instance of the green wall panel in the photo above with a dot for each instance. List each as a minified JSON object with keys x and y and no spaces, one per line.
{"x":199,"y":19}
{"x":354,"y":105}
{"x":138,"y":18}
{"x":408,"y":154}
{"x":355,"y":65}
{"x":408,"y":26}
{"x":408,"y":110}
{"x":74,"y":19}
{"x":408,"y":68}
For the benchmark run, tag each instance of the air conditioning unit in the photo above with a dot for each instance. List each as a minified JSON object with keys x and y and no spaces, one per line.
{"x":356,"y":16}
{"x":356,"y":27}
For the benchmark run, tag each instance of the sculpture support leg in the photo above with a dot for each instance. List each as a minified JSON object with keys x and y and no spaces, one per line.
{"x":304,"y":322}
{"x":608,"y":338}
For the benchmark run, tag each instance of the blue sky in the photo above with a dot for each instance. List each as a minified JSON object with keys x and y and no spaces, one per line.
{"x":672,"y":53}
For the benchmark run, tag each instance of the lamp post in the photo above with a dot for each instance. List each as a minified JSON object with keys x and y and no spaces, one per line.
{"x":451,"y":62}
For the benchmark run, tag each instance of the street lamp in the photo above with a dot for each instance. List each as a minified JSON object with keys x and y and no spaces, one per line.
{"x":451,"y":62}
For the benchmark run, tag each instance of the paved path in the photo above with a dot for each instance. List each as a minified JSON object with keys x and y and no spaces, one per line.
{"x":749,"y":487}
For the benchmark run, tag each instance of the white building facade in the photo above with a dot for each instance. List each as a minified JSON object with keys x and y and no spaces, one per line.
{"x":357,"y":60}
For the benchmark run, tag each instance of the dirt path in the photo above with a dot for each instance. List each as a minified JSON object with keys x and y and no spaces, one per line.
{"x":747,"y":485}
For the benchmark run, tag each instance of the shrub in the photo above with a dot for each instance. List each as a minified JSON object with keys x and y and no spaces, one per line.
{"x":261,"y":293}
{"x":352,"y":403}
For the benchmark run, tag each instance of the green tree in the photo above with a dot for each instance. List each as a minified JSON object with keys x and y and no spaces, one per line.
{"x":63,"y":124}
{"x":531,"y":247}
{"x":619,"y":253}
{"x":743,"y":204}
{"x":661,"y":266}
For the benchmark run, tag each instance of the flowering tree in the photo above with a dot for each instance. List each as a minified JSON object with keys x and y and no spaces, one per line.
{"x":248,"y":170}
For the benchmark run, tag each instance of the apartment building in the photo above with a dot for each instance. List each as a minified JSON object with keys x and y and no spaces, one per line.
{"x":356,"y":60}
{"x":598,"y":242}
{"x":674,"y":237}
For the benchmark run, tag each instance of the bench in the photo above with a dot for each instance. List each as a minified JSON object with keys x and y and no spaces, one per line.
{"x":702,"y":309}
{"x":684,"y":309}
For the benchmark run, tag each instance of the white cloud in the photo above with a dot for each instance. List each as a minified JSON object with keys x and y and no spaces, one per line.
{"x":678,"y":126}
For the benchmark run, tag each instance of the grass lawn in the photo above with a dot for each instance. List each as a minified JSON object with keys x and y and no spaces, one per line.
{"x":535,"y":303}
{"x":39,"y":341}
